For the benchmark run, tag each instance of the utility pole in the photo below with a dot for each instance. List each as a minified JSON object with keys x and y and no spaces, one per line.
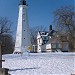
{"x":0,"y":56}
{"x":3,"y":71}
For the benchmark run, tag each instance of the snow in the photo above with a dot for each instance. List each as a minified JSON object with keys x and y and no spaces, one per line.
{"x":40,"y":63}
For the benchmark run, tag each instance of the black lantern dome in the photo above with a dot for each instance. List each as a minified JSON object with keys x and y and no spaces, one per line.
{"x":23,"y":2}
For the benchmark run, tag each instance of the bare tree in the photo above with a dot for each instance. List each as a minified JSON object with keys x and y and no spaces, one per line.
{"x":7,"y":44}
{"x":34,"y":32}
{"x":64,"y":18}
{"x":5,"y":25}
{"x":5,"y":35}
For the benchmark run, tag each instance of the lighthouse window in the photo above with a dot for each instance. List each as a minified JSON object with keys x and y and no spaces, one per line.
{"x":23,"y":14}
{"x":24,"y":30}
{"x":24,"y":38}
{"x":23,"y":19}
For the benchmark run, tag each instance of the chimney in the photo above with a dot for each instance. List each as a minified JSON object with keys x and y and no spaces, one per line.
{"x":50,"y":27}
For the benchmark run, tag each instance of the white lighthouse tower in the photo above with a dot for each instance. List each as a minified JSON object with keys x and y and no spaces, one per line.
{"x":23,"y":34}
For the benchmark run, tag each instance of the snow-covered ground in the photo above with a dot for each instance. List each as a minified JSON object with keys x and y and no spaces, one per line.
{"x":40,"y":63}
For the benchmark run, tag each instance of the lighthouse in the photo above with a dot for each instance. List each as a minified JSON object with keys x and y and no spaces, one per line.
{"x":23,"y":41}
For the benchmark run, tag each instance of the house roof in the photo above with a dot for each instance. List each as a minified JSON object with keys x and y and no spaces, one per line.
{"x":53,"y":40}
{"x":43,"y":32}
{"x":50,"y":33}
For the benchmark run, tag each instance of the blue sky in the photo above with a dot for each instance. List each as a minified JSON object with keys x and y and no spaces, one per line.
{"x":40,"y":12}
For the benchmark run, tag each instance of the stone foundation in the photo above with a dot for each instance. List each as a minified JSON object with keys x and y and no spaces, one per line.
{"x":4,"y":71}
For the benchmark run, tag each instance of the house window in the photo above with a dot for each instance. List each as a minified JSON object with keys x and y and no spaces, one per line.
{"x":39,"y":40}
{"x":58,"y":45}
{"x":44,"y":38}
{"x":44,"y":42}
{"x":65,"y":46}
{"x":53,"y":45}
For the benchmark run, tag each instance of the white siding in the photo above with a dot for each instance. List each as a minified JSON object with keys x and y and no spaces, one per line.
{"x":48,"y":47}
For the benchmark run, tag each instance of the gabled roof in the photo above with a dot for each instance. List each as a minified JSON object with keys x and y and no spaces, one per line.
{"x":43,"y":32}
{"x":51,"y":32}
